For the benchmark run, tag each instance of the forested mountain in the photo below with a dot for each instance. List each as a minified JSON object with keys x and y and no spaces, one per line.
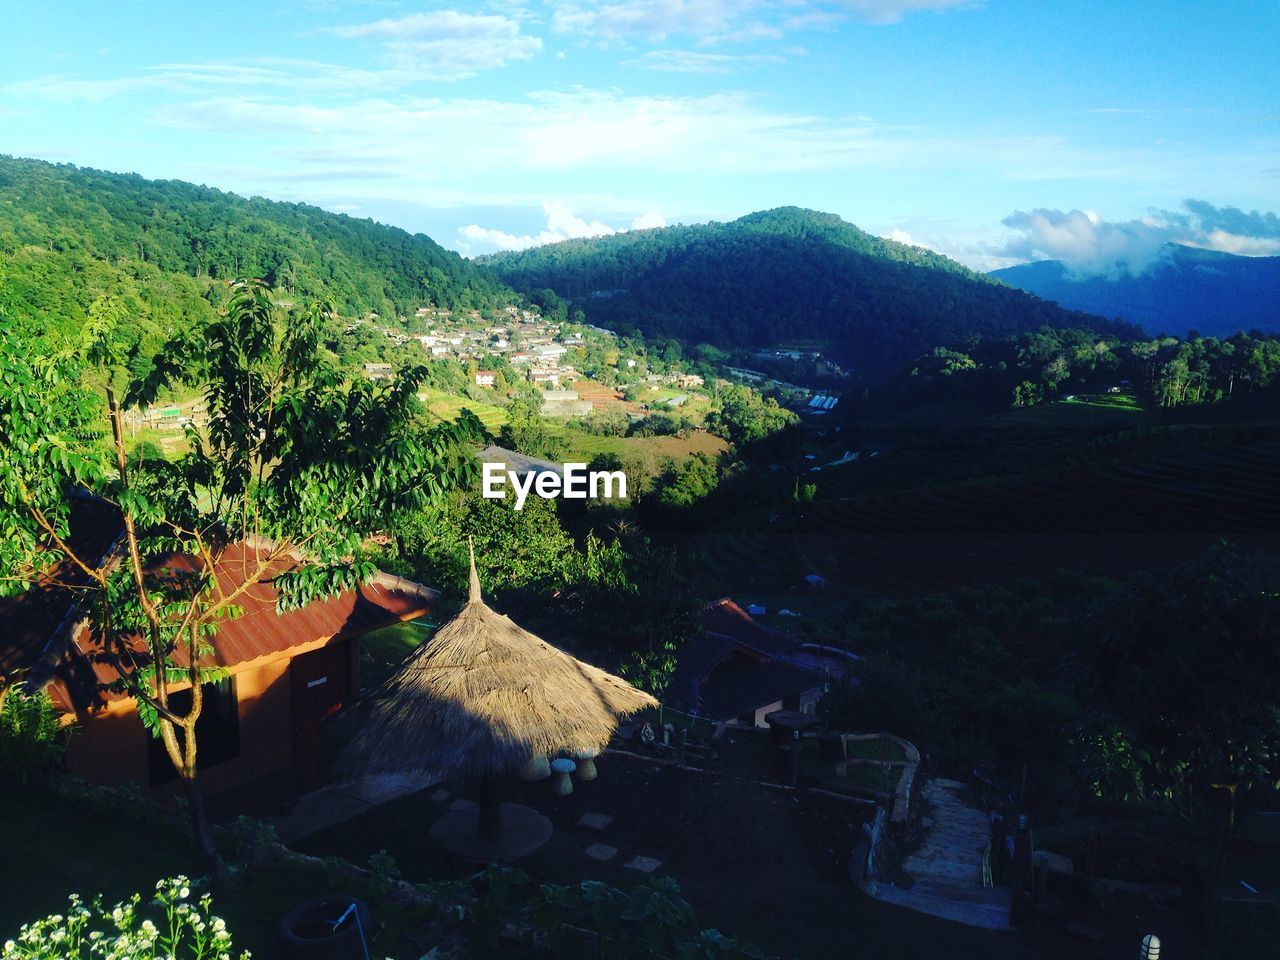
{"x":69,"y":235}
{"x":1185,"y":289}
{"x":778,"y":275}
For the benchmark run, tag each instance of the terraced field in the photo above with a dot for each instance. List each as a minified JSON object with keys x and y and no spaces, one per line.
{"x":447,"y":406}
{"x":898,"y":525}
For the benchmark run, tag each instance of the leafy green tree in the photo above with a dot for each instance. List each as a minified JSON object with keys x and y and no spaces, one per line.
{"x":744,"y":417}
{"x":526,"y":429}
{"x":294,"y":459}
{"x":688,"y":481}
{"x":1181,"y":670}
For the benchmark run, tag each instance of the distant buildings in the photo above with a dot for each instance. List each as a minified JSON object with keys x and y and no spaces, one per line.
{"x":486,"y":378}
{"x":564,"y":403}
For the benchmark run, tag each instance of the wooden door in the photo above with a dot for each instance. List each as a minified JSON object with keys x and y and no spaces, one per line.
{"x":321,"y":683}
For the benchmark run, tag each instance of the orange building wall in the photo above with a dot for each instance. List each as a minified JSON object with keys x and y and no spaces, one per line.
{"x":111,"y":747}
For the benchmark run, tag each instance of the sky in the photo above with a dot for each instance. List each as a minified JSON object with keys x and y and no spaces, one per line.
{"x":995,"y":132}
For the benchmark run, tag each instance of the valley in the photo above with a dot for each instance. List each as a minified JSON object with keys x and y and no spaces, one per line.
{"x":871,"y":492}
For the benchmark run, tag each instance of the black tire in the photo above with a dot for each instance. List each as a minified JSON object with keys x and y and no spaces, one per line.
{"x":306,"y":932}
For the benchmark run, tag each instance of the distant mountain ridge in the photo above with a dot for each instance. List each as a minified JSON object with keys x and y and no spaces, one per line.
{"x":783,"y":274}
{"x":1187,"y":288}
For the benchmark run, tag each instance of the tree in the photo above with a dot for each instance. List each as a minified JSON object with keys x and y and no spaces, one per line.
{"x":744,"y":417}
{"x":1182,"y":669}
{"x":294,"y":459}
{"x":526,"y":429}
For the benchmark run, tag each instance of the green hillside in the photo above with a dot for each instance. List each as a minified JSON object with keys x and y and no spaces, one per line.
{"x":162,"y":247}
{"x":780,"y":275}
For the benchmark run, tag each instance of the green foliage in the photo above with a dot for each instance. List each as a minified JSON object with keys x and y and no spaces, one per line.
{"x":383,"y":874}
{"x":744,"y":417}
{"x":780,"y":275}
{"x":515,"y":549}
{"x":1029,"y":368}
{"x":653,"y":920}
{"x":182,"y":929}
{"x":1182,"y":671}
{"x":526,"y":430}
{"x":254,"y":839}
{"x":31,"y":739}
{"x":687,"y":482}
{"x":292,"y":457}
{"x":164,"y":248}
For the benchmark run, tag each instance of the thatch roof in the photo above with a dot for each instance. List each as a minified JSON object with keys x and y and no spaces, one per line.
{"x":482,"y":697}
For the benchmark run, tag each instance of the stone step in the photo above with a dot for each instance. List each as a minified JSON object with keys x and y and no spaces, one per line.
{"x":950,"y":874}
{"x":968,"y":893}
{"x":981,"y":908}
{"x":946,"y":871}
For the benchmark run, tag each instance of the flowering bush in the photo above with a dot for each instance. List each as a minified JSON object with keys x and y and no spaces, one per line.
{"x":183,"y":929}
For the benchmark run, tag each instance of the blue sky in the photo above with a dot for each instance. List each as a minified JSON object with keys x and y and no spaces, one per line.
{"x":993,"y":131}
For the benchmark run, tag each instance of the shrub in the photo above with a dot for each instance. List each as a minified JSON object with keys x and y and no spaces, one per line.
{"x":31,"y":739}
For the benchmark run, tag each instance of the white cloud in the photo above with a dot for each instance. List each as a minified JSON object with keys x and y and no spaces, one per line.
{"x":562,"y":131}
{"x":446,"y":44}
{"x":597,"y":131}
{"x":1092,"y":246}
{"x":443,"y":45}
{"x":898,"y":235}
{"x":891,"y":11}
{"x":701,"y":61}
{"x":1241,"y":246}
{"x":561,"y":224}
{"x":651,"y":19}
{"x":648,"y":221}
{"x":719,"y":21}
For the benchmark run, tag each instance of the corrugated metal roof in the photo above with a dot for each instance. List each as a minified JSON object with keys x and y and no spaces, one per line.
{"x":518,"y":463}
{"x":724,"y":618}
{"x":76,"y":668}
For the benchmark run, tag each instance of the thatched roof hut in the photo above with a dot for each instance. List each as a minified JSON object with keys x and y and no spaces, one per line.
{"x":480,"y":699}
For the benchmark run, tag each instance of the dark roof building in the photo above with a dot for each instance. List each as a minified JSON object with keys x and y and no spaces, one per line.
{"x":518,"y":463}
{"x":739,"y":669}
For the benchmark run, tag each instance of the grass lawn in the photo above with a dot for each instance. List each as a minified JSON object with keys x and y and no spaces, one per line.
{"x":382,"y":650}
{"x":1085,"y":411}
{"x":881,"y":748}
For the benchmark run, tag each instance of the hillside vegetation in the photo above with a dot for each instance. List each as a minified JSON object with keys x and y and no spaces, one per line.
{"x":69,"y":235}
{"x":781,"y":275}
